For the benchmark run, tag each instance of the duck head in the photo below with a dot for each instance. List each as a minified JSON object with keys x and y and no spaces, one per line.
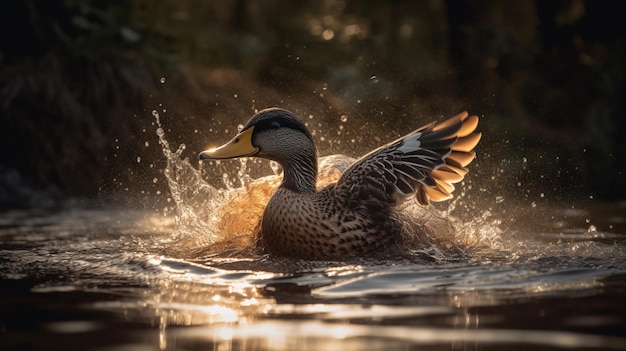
{"x":278,"y":135}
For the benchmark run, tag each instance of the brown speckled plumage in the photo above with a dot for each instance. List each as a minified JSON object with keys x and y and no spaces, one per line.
{"x":355,"y":216}
{"x":321,"y":225}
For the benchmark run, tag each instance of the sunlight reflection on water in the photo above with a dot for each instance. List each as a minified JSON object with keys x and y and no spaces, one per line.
{"x":323,"y":336}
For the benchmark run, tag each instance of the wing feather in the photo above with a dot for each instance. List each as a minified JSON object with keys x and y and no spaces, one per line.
{"x":451,"y":121}
{"x":426,"y":162}
{"x":460,"y":159}
{"x":445,"y":186}
{"x":469,"y":125}
{"x":462,"y":171}
{"x":467,"y":143}
{"x":435,"y":194}
{"x":447,"y":176}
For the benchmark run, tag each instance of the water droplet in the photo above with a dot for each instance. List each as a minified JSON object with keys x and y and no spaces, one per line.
{"x":154,"y":180}
{"x":162,"y":80}
{"x":160,"y":132}
{"x":499,"y":199}
{"x":533,"y":204}
{"x":146,"y":144}
{"x":239,"y":128}
{"x":138,"y":159}
{"x":343,"y":118}
{"x":374,"y":79}
{"x":235,"y":96}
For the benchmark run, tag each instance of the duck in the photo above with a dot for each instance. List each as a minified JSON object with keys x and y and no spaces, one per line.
{"x":356,"y":216}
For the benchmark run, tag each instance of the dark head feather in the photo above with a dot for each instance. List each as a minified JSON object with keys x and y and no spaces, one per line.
{"x":273,"y":118}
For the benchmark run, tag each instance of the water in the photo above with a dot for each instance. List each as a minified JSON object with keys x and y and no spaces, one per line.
{"x":124,"y":279}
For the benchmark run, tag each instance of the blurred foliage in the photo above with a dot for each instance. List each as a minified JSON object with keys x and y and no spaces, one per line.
{"x":79,"y":80}
{"x":68,"y":69}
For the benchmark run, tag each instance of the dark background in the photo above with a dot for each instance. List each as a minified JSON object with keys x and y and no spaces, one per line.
{"x":79,"y":81}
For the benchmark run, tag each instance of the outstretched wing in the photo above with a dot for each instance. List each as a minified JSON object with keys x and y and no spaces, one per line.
{"x":426,"y":162}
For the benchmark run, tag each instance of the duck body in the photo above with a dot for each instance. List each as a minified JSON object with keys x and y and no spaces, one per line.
{"x":326,"y":226}
{"x":357,"y":215}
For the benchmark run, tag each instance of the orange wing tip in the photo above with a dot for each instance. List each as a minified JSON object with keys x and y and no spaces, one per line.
{"x":462,"y":116}
{"x":469,"y":125}
{"x":468,"y":143}
{"x":460,"y":159}
{"x":462,"y":171}
{"x":444,"y":186}
{"x":450,"y":121}
{"x":462,"y":154}
{"x":447,"y":176}
{"x":437,"y":195}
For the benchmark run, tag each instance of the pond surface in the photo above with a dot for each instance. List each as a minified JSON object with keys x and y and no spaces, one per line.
{"x":189,"y":279}
{"x":103,"y":280}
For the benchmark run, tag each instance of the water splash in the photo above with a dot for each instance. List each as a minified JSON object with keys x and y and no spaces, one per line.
{"x":211,"y":221}
{"x":195,"y":200}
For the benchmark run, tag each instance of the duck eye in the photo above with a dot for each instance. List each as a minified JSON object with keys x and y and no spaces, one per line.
{"x":236,"y":140}
{"x":274,"y":125}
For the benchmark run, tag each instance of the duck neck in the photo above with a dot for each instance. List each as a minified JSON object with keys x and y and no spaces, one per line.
{"x":300,"y":171}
